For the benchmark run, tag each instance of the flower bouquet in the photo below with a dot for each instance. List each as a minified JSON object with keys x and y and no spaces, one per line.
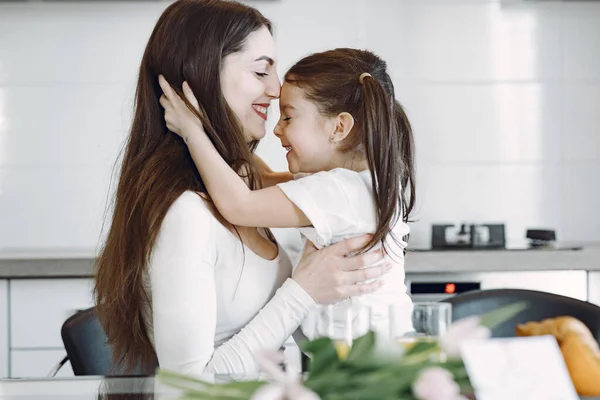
{"x":372,"y":369}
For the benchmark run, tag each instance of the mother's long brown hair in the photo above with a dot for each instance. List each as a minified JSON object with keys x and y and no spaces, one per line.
{"x":188,"y":43}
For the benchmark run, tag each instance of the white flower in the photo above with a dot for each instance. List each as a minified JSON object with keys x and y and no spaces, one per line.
{"x":436,"y":383}
{"x":286,"y":385}
{"x":463,"y":329}
{"x":272,"y":391}
{"x":290,"y":391}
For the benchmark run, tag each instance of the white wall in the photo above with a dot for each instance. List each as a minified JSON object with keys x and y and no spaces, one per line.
{"x":504,"y":98}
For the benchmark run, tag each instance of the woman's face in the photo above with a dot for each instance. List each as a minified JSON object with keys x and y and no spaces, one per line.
{"x":249,"y":82}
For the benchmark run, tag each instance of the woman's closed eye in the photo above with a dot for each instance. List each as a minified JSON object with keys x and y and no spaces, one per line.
{"x":286,"y":118}
{"x":262,"y":74}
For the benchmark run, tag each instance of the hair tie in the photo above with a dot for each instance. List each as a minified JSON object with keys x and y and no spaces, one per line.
{"x":362,"y":76}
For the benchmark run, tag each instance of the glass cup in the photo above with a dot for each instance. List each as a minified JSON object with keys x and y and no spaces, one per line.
{"x":342,"y":323}
{"x":425,"y":322}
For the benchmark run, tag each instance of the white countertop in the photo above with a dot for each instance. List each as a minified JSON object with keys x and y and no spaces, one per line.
{"x":587,"y":259}
{"x":46,"y":268}
{"x":61,"y":263}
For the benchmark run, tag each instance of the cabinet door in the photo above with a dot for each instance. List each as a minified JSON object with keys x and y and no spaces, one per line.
{"x":4,"y":323}
{"x":39,"y":307}
{"x":37,"y":363}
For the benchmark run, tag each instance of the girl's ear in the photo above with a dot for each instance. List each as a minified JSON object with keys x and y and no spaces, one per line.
{"x":344,"y":123}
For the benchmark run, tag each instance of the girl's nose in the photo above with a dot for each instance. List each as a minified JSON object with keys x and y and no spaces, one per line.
{"x":277,"y":130}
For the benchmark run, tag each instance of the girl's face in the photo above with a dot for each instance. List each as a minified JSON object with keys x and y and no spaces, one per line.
{"x":304,"y":132}
{"x":249,"y":82}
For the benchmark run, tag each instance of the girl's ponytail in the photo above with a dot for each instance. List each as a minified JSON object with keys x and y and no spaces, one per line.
{"x":407,"y":155}
{"x":377,"y":116}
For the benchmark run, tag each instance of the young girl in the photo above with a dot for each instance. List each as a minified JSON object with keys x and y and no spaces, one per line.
{"x":341,"y":125}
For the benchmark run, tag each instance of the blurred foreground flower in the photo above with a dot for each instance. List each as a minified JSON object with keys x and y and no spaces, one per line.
{"x":436,"y":383}
{"x":464,"y":329}
{"x":286,"y":386}
{"x":363,"y":373}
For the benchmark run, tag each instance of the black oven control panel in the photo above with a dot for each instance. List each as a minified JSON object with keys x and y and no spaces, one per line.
{"x":436,"y":291}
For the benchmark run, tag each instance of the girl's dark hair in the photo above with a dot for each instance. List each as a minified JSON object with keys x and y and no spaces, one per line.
{"x":188,"y":43}
{"x":381,"y":132}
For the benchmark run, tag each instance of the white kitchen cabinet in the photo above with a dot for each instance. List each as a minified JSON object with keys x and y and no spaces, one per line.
{"x":39,"y":307}
{"x":37,"y":363}
{"x":4,"y":324}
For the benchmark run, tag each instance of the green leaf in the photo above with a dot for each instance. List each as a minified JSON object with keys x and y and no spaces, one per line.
{"x":392,"y":382}
{"x":329,"y":382}
{"x":182,"y":381}
{"x":197,"y":389}
{"x":315,"y":346}
{"x":324,"y":355}
{"x":244,"y":386}
{"x":423,"y":347}
{"x":366,"y":365}
{"x":364,"y":375}
{"x":502,"y":314}
{"x":362,"y":347}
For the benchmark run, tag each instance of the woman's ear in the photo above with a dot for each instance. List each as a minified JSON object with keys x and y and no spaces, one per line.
{"x":344,"y":123}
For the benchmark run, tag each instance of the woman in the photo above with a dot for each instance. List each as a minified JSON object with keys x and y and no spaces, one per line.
{"x":175,"y":281}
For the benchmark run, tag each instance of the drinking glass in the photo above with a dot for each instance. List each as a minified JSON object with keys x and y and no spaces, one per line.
{"x":425,"y":322}
{"x":342,"y":322}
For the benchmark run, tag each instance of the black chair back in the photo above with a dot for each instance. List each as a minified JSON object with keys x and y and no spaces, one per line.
{"x":542,"y":305}
{"x":88,"y":349}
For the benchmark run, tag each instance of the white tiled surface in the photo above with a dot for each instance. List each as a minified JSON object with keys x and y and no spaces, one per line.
{"x":49,"y":43}
{"x":519,"y":195}
{"x":52,"y":207}
{"x":495,"y":123}
{"x":580,"y":33}
{"x":4,"y":330}
{"x":581,"y":200}
{"x":581,"y":122}
{"x":68,"y":125}
{"x":38,"y":363}
{"x":465,"y":41}
{"x":504,"y":97}
{"x":304,"y":27}
{"x":39,"y":307}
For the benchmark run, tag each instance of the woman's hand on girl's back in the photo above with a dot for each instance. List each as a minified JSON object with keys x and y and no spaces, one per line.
{"x":329,"y":275}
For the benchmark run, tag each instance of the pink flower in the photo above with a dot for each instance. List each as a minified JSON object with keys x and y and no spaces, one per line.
{"x":277,"y":391}
{"x":286,"y":385}
{"x":436,"y":383}
{"x":464,"y":329}
{"x":272,"y":391}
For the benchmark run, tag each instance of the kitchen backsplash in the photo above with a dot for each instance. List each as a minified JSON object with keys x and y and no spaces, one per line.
{"x":504,"y":97}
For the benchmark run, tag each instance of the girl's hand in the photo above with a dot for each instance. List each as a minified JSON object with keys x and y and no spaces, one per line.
{"x":179,"y":117}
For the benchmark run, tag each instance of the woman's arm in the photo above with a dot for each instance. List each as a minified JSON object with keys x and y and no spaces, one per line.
{"x":184,"y":300}
{"x":184,"y":296}
{"x":239,"y":205}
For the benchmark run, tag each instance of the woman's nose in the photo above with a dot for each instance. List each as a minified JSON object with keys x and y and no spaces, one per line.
{"x":273,"y":86}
